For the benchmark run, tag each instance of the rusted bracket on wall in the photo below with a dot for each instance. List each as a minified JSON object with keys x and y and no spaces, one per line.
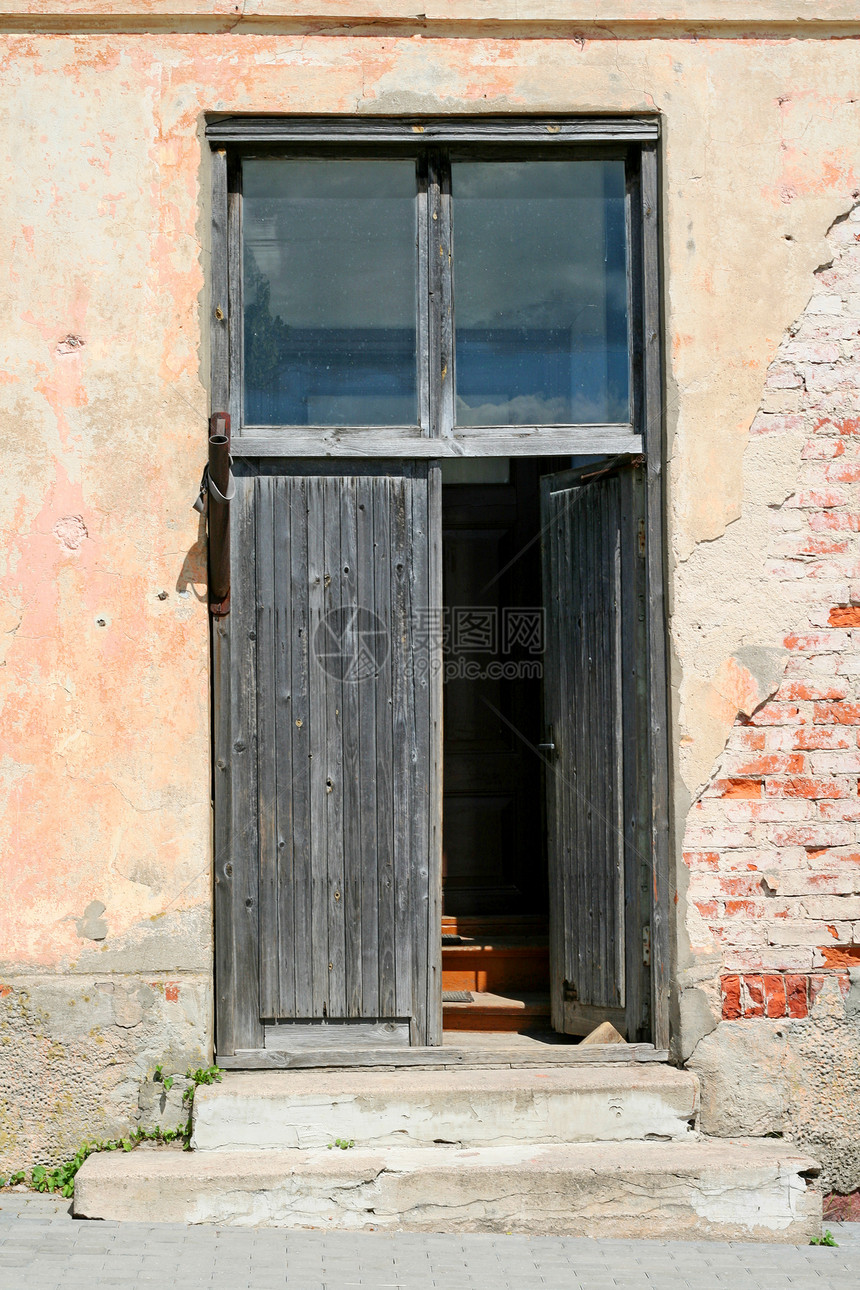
{"x":217,"y":490}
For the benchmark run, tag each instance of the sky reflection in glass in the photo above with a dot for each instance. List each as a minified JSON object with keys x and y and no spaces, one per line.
{"x":330,"y":292}
{"x":540,"y":292}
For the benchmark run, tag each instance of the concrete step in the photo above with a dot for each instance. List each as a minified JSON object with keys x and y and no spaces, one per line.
{"x":273,"y":1110}
{"x":724,"y":1190}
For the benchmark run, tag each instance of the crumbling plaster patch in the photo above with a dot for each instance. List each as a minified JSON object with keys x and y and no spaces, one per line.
{"x":75,"y":1050}
{"x":730,"y":616}
{"x":800,"y":1079}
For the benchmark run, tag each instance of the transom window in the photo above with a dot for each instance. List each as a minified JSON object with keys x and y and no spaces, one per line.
{"x":479,"y":290}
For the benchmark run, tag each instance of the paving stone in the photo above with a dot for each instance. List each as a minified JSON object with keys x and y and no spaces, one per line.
{"x":41,"y":1244}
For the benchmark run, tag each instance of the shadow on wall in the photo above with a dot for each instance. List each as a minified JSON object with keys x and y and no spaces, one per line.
{"x":192,"y":575}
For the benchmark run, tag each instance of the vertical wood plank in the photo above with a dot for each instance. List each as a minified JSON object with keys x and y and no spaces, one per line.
{"x":401,"y":720}
{"x":248,"y":1030}
{"x":224,"y":895}
{"x":368,"y":692}
{"x":267,"y":749}
{"x":617,"y":907}
{"x":352,"y":754}
{"x":300,"y":732}
{"x":331,"y":803}
{"x":283,"y":645}
{"x":317,"y":753}
{"x":386,"y":920}
{"x":433,"y":650}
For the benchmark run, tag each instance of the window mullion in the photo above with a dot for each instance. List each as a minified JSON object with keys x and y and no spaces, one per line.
{"x":441,"y":348}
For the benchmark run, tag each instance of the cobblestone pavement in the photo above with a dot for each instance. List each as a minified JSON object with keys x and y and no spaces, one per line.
{"x":42,"y":1246}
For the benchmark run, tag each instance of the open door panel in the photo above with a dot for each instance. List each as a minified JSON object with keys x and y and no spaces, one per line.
{"x":595,"y":711}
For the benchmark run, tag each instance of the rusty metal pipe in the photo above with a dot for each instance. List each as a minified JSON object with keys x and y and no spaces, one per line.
{"x":218,"y":508}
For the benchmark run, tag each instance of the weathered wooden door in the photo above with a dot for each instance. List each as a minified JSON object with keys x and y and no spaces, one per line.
{"x":331,"y":887}
{"x":595,"y":704}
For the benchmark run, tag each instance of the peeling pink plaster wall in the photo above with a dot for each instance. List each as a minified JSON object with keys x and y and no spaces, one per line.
{"x":103,"y":377}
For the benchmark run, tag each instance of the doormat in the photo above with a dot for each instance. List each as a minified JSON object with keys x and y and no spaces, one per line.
{"x":457,"y":996}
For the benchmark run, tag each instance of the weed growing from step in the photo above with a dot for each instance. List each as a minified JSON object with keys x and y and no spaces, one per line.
{"x":827,"y":1239}
{"x":61,"y":1178}
{"x":343,"y":1143}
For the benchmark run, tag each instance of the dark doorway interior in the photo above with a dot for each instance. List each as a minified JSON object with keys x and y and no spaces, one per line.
{"x":495,"y":956}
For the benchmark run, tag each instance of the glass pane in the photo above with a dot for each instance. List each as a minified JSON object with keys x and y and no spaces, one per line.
{"x":540,"y":292}
{"x":330,"y":292}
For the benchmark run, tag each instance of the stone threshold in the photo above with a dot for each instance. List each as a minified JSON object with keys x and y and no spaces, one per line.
{"x":461,"y":1050}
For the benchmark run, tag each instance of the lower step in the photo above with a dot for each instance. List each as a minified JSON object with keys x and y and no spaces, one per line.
{"x":721,"y":1190}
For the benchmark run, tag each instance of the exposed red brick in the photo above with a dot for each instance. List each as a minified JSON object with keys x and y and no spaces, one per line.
{"x":735,"y":908}
{"x":774,"y":995}
{"x":754,"y":1006}
{"x":747,"y":737}
{"x":804,"y":787}
{"x":842,"y":472}
{"x":804,"y":691}
{"x":819,"y":498}
{"x":749,"y":885}
{"x":842,"y":1209}
{"x":818,"y":450}
{"x":835,"y":521}
{"x":849,"y":616}
{"x":745,"y":788}
{"x":777,"y":714}
{"x":171,"y":991}
{"x":731,"y":998}
{"x":844,"y":956}
{"x":830,"y":425}
{"x":837,"y":714}
{"x":815,"y":642}
{"x":818,"y":546}
{"x":708,"y":908}
{"x":818,"y":738}
{"x":4,"y":990}
{"x":772,"y":764}
{"x":796,"y":995}
{"x":702,"y":859}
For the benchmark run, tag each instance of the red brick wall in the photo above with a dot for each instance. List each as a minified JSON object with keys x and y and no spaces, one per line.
{"x":772,"y":844}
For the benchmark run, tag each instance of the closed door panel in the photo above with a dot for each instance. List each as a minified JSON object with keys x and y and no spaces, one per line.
{"x":345,"y":732}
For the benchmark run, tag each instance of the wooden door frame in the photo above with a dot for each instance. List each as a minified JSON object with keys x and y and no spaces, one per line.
{"x":237,"y":1024}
